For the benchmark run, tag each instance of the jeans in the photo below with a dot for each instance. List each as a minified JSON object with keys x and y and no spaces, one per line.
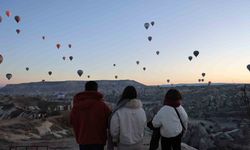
{"x":91,"y":147}
{"x":173,"y":143}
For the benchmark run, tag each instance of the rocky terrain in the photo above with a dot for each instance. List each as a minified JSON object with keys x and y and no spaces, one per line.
{"x":219,"y":114}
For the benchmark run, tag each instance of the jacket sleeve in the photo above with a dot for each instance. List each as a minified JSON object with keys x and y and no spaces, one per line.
{"x":115,"y":127}
{"x":157,"y":120}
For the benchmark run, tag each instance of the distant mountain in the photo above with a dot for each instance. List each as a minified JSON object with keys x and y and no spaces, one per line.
{"x":50,"y":88}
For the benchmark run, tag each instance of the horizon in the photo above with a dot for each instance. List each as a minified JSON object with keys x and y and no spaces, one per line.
{"x":106,"y":33}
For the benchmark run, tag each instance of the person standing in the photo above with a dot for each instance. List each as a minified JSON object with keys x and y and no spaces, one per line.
{"x":128,"y":121}
{"x":89,"y":118}
{"x":172,"y":120}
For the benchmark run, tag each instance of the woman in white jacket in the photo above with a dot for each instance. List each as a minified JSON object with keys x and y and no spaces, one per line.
{"x":172,"y":120}
{"x":128,"y":121}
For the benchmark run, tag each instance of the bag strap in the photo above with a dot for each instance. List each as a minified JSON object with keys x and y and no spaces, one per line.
{"x":183,"y":127}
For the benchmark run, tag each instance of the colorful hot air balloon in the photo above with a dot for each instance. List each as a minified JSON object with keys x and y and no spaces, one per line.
{"x":63,"y":57}
{"x":190,"y":58}
{"x":150,"y":38}
{"x":1,"y":19}
{"x":203,"y":74}
{"x":58,"y":46}
{"x":70,"y":45}
{"x":152,"y":23}
{"x":71,"y":58}
{"x":137,"y":62}
{"x":18,"y":31}
{"x":1,"y":58}
{"x":18,"y":19}
{"x":8,"y":13}
{"x":146,"y":25}
{"x":157,"y":52}
{"x":8,"y":76}
{"x":196,"y":53}
{"x":80,"y":72}
{"x":248,"y":67}
{"x":144,"y":68}
{"x":27,"y":68}
{"x":50,"y":73}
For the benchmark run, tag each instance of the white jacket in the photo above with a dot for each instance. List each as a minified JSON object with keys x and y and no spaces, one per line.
{"x":169,"y":122}
{"x":128,"y":123}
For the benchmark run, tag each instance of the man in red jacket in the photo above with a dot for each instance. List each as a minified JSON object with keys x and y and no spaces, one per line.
{"x":89,"y":118}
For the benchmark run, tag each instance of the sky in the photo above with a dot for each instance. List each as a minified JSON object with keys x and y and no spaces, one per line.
{"x":106,"y":32}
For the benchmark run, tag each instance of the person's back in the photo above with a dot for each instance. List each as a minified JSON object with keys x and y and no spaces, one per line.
{"x":128,"y":122}
{"x":89,"y":118}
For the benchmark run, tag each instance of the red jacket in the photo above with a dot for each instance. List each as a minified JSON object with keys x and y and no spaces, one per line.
{"x":89,"y":118}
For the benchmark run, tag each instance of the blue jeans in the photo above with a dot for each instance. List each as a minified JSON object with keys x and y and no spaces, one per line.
{"x":91,"y":147}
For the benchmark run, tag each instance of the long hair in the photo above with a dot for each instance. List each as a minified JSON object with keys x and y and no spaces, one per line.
{"x":128,"y":93}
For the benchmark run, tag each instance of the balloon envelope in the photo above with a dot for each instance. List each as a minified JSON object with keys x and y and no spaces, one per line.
{"x":1,"y":58}
{"x":137,"y":62}
{"x":157,"y":52}
{"x":116,"y":76}
{"x":152,"y":23}
{"x":63,"y":57}
{"x":80,"y":72}
{"x":114,"y":65}
{"x":144,"y":68}
{"x":146,"y":25}
{"x":58,"y":46}
{"x":248,"y":67}
{"x":150,"y":38}
{"x":190,"y":58}
{"x":8,"y":76}
{"x":70,"y":45}
{"x":18,"y":19}
{"x":1,"y":19}
{"x":50,"y":73}
{"x":43,"y":37}
{"x":168,"y":80}
{"x":8,"y":13}
{"x":203,"y":74}
{"x":27,"y":68}
{"x":18,"y":31}
{"x":196,"y":53}
{"x":70,"y":58}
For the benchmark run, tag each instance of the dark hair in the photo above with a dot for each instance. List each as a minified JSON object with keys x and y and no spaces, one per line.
{"x":173,"y":95}
{"x":91,"y":86}
{"x":128,"y":93}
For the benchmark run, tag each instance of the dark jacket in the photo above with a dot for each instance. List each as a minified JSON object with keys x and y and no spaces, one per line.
{"x":89,"y":118}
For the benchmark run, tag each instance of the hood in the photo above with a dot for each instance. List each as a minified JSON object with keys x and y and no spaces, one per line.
{"x":87,"y":99}
{"x":134,"y":104}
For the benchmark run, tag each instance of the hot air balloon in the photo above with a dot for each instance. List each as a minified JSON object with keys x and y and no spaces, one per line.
{"x":144,"y":68}
{"x":190,"y":58}
{"x":203,"y":74}
{"x":114,"y":65}
{"x":248,"y":67}
{"x":209,"y":83}
{"x":137,"y":62}
{"x":196,"y":53}
{"x":202,"y":80}
{"x":43,"y":37}
{"x":18,"y":31}
{"x":199,"y":80}
{"x":27,"y":68}
{"x":8,"y":76}
{"x":1,"y":58}
{"x":8,"y":13}
{"x":157,"y":52}
{"x":50,"y":73}
{"x":150,"y":38}
{"x":70,"y":58}
{"x":146,"y":25}
{"x":18,"y":19}
{"x":58,"y":46}
{"x":80,"y":72}
{"x":70,"y":45}
{"x":152,"y":23}
{"x":168,"y":80}
{"x":88,"y":76}
{"x":1,"y":19}
{"x":63,"y":57}
{"x":116,"y":76}
{"x":43,"y":80}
